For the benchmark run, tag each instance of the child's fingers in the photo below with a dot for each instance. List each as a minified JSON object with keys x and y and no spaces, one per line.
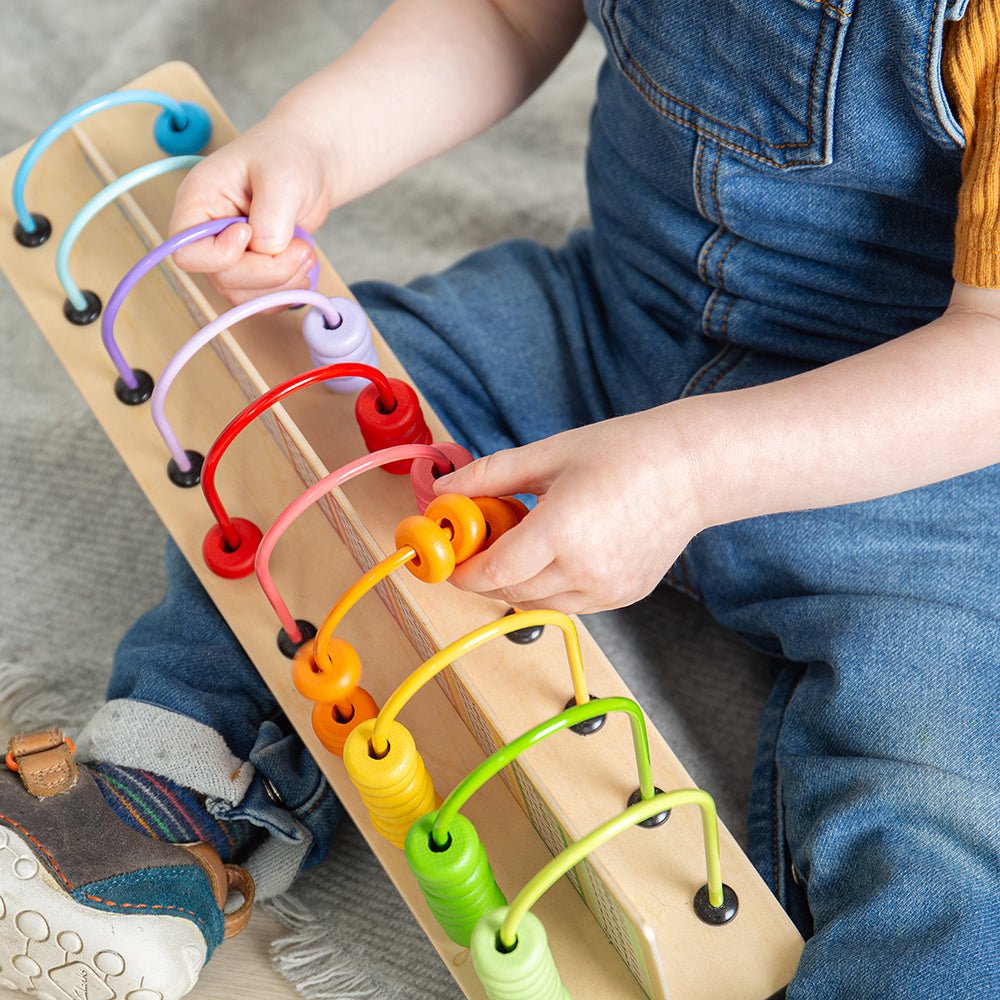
{"x":569,"y":602}
{"x":513,"y":560}
{"x":274,"y":209}
{"x":213,"y":189}
{"x":516,"y":470}
{"x":261,"y":270}
{"x":215,"y":254}
{"x":237,"y":296}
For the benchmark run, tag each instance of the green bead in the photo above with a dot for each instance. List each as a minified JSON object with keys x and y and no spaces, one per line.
{"x":457,"y":881}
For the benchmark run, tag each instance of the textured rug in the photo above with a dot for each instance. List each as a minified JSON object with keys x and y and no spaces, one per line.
{"x":80,"y":549}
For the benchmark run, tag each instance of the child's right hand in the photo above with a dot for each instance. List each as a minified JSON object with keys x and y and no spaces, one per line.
{"x":275,"y":176}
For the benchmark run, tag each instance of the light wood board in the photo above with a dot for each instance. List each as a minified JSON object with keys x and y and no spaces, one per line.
{"x":641,"y":885}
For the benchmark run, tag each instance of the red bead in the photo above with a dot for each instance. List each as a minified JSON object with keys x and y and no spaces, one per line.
{"x":405,"y":424}
{"x":235,"y":563}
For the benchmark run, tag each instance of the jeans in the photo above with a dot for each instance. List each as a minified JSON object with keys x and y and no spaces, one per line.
{"x":775,"y":197}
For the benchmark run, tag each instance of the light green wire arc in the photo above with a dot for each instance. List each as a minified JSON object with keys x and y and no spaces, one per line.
{"x":104,"y":197}
{"x":572,"y":716}
{"x":579,"y":850}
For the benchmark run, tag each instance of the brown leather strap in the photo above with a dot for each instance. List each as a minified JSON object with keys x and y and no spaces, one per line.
{"x":45,"y":762}
{"x":240,"y":880}
{"x":226,"y":879}
{"x":208,"y":857}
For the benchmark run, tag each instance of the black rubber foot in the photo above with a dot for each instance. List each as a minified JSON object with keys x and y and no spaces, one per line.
{"x":588,"y":726}
{"x":654,"y":821}
{"x":86,"y":315}
{"x":138,"y":395}
{"x":289,"y":648}
{"x":716,"y":915}
{"x":43,"y":230}
{"x":523,"y":636}
{"x":185,"y":480}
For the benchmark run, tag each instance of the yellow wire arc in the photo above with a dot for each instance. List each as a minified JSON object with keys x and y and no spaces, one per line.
{"x":430,"y":668}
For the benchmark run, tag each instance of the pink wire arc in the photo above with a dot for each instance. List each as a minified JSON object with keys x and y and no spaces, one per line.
{"x":305,"y":500}
{"x":209,"y":332}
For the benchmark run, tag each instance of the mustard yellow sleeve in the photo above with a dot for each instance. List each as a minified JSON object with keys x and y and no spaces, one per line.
{"x":971,"y":71}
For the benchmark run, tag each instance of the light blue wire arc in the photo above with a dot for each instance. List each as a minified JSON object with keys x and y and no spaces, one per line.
{"x":104,"y":197}
{"x":70,"y":119}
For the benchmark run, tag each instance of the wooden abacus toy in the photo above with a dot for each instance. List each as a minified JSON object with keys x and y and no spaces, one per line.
{"x":673,"y":911}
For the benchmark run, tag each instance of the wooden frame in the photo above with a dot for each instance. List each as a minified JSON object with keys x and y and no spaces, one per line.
{"x":640,"y":887}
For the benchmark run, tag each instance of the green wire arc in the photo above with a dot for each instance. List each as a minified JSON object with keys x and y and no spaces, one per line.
{"x":579,"y":850}
{"x":572,"y":716}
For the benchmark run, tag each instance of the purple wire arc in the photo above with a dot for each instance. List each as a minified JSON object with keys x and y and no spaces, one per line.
{"x":156,"y":256}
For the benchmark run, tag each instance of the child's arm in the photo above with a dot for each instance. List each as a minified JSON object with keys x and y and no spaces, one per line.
{"x":621,"y":499}
{"x":425,"y":76}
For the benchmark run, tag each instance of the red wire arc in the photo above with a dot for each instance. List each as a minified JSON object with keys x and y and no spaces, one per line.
{"x":386,"y":398}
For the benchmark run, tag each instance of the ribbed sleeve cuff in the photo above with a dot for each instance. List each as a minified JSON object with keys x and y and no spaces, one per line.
{"x":977,"y":255}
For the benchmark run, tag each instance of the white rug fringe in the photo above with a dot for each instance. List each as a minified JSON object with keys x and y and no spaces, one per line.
{"x":303,"y":956}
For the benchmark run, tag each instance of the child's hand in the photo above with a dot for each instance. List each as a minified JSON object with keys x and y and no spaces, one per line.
{"x":617,"y":504}
{"x":274,"y":175}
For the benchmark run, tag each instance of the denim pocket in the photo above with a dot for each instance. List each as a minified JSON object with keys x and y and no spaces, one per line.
{"x":757,"y":76}
{"x":933,"y":103}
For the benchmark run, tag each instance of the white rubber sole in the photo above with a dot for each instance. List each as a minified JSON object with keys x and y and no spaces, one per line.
{"x":54,"y":948}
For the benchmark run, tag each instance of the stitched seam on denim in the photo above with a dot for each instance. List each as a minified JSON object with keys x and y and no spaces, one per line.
{"x":723,"y":372}
{"x":834,"y":8}
{"x":927,"y":72}
{"x":699,"y":157}
{"x":714,"y":238}
{"x":715,"y":186}
{"x":717,"y":121}
{"x":720,"y":286}
{"x":775,"y":845}
{"x":703,"y":371}
{"x":319,"y":801}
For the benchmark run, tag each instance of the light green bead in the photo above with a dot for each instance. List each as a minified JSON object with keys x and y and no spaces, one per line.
{"x":526,"y":973}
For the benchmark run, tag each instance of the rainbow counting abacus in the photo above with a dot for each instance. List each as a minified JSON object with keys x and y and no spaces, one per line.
{"x":658,"y":899}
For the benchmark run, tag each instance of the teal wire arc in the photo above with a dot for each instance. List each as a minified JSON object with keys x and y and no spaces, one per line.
{"x":104,"y":197}
{"x":180,"y":118}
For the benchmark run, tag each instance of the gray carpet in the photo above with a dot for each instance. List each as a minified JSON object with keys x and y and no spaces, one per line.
{"x":65,"y":542}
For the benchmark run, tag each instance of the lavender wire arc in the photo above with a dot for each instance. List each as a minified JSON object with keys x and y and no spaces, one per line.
{"x":209,"y":332}
{"x":146,"y":264}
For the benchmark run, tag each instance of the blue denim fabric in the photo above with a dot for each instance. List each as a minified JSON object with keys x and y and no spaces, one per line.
{"x":181,"y":656}
{"x":773,"y":186}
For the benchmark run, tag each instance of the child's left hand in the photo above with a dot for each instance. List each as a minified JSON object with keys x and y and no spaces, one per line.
{"x":617,"y":504}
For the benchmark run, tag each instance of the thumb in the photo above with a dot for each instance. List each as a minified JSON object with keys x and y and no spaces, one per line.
{"x":274,"y":209}
{"x":515,"y":470}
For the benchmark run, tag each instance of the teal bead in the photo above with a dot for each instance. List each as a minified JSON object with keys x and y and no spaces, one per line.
{"x":186,"y":141}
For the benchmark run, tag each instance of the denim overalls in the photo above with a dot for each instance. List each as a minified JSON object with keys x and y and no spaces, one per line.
{"x":773,"y":186}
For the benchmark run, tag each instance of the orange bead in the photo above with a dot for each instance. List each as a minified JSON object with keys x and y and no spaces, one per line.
{"x":333,"y":729}
{"x":331,"y":683}
{"x":435,"y":559}
{"x":501,"y":514}
{"x":463,"y":518}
